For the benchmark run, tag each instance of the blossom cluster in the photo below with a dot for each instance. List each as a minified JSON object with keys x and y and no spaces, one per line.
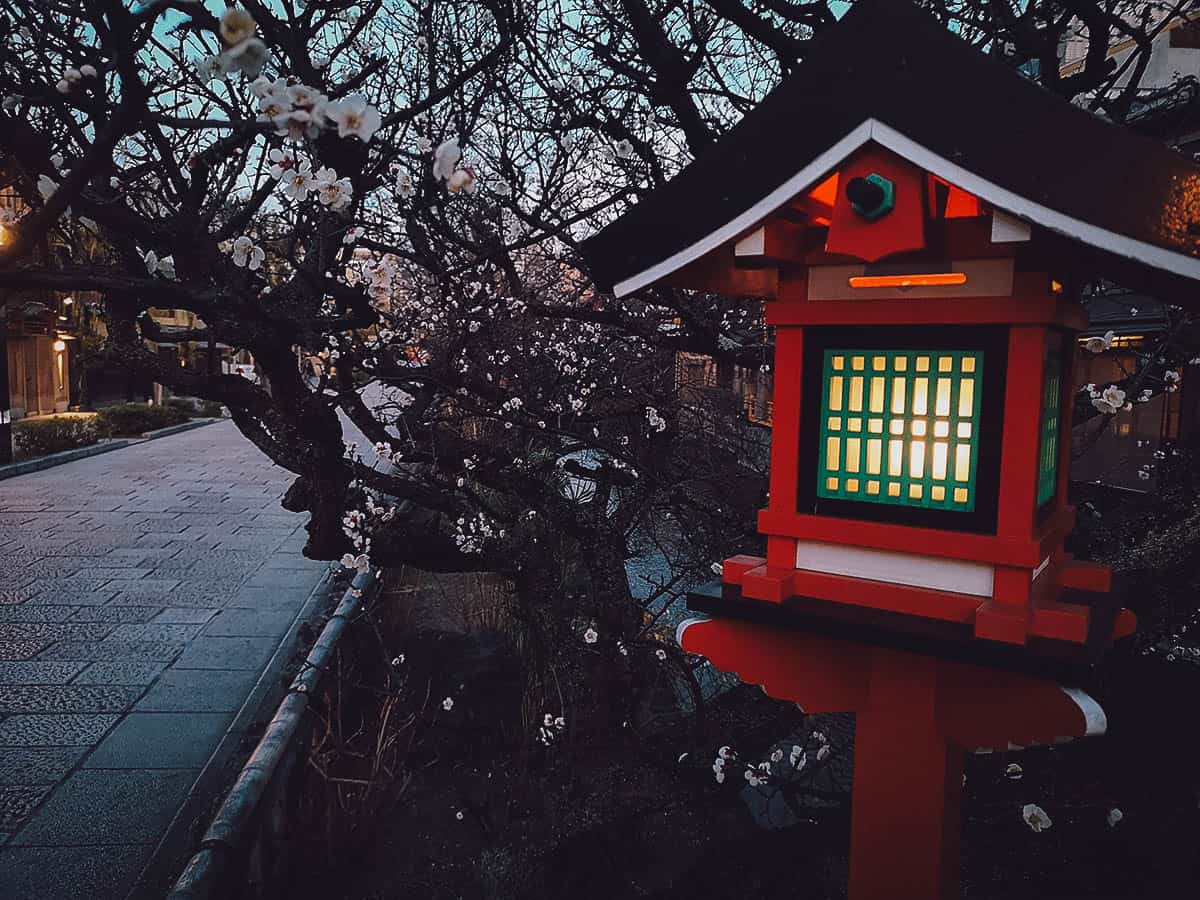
{"x":471,"y":534}
{"x":551,"y":729}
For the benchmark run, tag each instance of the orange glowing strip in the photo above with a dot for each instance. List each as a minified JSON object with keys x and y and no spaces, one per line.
{"x":903,"y":281}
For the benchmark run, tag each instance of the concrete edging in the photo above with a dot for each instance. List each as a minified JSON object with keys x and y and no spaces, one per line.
{"x":182,"y":426}
{"x":201,"y":877}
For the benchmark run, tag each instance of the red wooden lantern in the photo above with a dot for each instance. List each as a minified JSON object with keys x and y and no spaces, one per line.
{"x":918,"y":218}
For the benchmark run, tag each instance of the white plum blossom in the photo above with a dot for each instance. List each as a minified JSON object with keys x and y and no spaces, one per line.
{"x":360,"y":563}
{"x":461,"y":180}
{"x":236,"y":26}
{"x":445,"y":159}
{"x":590,"y":636}
{"x":155,"y":266}
{"x":248,"y":57}
{"x":623,"y":149}
{"x":298,"y":181}
{"x":354,"y":116}
{"x":448,"y":704}
{"x":717,"y":569}
{"x":46,"y":186}
{"x":1171,"y":379}
{"x":406,"y":187}
{"x":332,"y":191}
{"x":1110,"y":401}
{"x":424,"y":144}
{"x":283,"y":159}
{"x":210,"y":68}
{"x":247,"y":254}
{"x":1035,"y":817}
{"x":657,"y":422}
{"x":1114,"y":817}
{"x":1099,"y":344}
{"x":551,"y":728}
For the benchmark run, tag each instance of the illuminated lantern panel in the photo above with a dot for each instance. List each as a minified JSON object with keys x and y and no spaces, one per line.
{"x":1048,"y":447}
{"x":900,"y":427}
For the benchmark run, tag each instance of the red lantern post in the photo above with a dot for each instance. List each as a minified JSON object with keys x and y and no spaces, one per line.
{"x":917,"y":219}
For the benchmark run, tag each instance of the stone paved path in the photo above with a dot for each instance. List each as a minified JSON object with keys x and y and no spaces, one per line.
{"x":142,"y":592}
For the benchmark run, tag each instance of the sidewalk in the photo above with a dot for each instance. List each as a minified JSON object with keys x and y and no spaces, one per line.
{"x":142,"y":593}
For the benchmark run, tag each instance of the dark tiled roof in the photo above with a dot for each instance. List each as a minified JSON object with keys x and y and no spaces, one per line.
{"x":889,"y":61}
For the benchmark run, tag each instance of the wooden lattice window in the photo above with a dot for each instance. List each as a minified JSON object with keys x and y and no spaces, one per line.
{"x":900,"y":427}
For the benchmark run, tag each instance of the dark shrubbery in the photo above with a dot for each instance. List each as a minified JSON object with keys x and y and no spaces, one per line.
{"x":128,"y":419}
{"x":195,"y":408}
{"x":40,"y":437}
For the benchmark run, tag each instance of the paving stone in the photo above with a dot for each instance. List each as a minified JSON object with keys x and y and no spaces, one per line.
{"x":148,"y":587}
{"x":83,"y":581}
{"x":17,"y":801}
{"x":47,"y":631}
{"x":10,"y":596}
{"x":64,"y":730}
{"x":138,"y":651}
{"x":132,"y":673}
{"x":209,"y":599}
{"x":60,"y":593}
{"x":258,"y":622}
{"x":105,"y":807}
{"x":161,"y":740}
{"x":67,"y":698}
{"x":37,"y":612}
{"x":117,"y":614}
{"x":227,"y":653}
{"x":121,"y":573}
{"x":38,"y":672}
{"x":185,"y":615}
{"x":192,"y":690}
{"x":95,"y":873}
{"x":38,"y":765}
{"x":18,"y":650}
{"x":156,"y":632}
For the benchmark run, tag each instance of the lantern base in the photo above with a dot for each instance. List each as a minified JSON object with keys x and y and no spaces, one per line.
{"x":944,"y":639}
{"x":916,"y":716}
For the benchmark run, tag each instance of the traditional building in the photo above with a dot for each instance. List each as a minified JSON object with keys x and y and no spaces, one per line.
{"x":38,"y":342}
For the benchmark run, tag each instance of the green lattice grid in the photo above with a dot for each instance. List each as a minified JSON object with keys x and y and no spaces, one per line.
{"x":1048,"y":449}
{"x":899,"y":364}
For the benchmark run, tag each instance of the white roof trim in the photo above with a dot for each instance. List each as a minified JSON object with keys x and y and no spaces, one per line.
{"x":885,"y":135}
{"x":806,"y":177}
{"x":1095,"y":721}
{"x":686,"y":624}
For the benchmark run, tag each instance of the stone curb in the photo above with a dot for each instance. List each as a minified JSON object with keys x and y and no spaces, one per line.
{"x":57,"y":459}
{"x":175,"y":429}
{"x":201,"y":879}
